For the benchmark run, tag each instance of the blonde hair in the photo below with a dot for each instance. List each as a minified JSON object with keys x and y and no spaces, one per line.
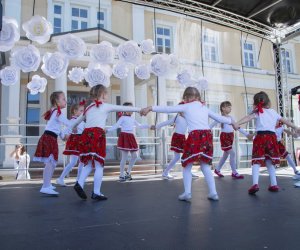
{"x":54,"y":97}
{"x":97,"y":91}
{"x":190,"y":93}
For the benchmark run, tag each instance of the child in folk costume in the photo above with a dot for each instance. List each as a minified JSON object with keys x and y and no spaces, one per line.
{"x":177,"y":141}
{"x":199,"y":144}
{"x":47,"y":148}
{"x":93,"y":139}
{"x":21,"y":162}
{"x":126,"y":141}
{"x":265,"y":147}
{"x":226,"y":139}
{"x":72,"y":144}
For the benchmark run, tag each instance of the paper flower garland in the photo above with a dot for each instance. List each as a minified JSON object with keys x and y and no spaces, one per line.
{"x":147,"y":46}
{"x":71,"y":46}
{"x":185,"y":78}
{"x":9,"y":34}
{"x":38,"y":29}
{"x":120,"y":70}
{"x":130,"y":52}
{"x":55,"y":64}
{"x":142,"y":71}
{"x":76,"y":74}
{"x":9,"y":76}
{"x":202,"y":83}
{"x":98,"y":74}
{"x":174,"y":63}
{"x":27,"y":59}
{"x":37,"y":84}
{"x":103,"y":53}
{"x":160,"y":64}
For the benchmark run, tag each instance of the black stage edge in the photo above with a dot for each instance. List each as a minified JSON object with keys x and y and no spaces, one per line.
{"x":147,"y":215}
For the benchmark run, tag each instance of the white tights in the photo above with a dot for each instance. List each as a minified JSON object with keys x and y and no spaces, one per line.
{"x":271,"y":170}
{"x":48,"y":173}
{"x":124,"y":159}
{"x":232,"y":160}
{"x":172,"y":163}
{"x":69,"y":167}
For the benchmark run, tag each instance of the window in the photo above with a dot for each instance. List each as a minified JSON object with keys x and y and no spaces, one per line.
{"x":33,"y":114}
{"x":101,"y":19}
{"x":287,"y":62}
{"x":249,"y":54}
{"x":79,"y":18}
{"x":164,"y":39}
{"x":57,"y":20}
{"x":210,"y":46}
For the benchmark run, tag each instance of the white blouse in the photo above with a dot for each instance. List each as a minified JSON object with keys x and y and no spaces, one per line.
{"x":127,"y":125}
{"x":178,"y":120}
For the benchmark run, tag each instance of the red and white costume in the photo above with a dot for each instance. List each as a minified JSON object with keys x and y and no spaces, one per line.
{"x":199,"y":144}
{"x":47,"y":148}
{"x":178,"y":137}
{"x":227,"y":134}
{"x":282,"y":150}
{"x":126,"y":140}
{"x":73,"y":141}
{"x":265,"y":146}
{"x":93,"y":139}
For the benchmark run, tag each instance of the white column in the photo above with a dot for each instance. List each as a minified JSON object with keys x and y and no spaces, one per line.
{"x":138,"y":23}
{"x":60,"y":84}
{"x":127,"y":88}
{"x":10,"y":99}
{"x":141,"y":101}
{"x":162,"y":94}
{"x":12,"y":8}
{"x":67,"y":16}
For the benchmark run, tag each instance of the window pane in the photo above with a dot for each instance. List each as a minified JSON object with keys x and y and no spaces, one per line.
{"x":160,"y":31}
{"x":100,"y":15}
{"x":159,"y":41}
{"x":33,"y":115}
{"x":33,"y":99}
{"x":287,"y":54}
{"x":160,"y":49}
{"x":168,"y":50}
{"x":167,"y":43}
{"x":57,"y":9}
{"x":167,"y":32}
{"x":288,"y":66}
{"x":83,"y":25}
{"x":74,"y":25}
{"x":57,"y":30}
{"x":101,"y":25}
{"x":57,"y":22}
{"x":250,"y":47}
{"x":83,"y":13}
{"x":75,"y":12}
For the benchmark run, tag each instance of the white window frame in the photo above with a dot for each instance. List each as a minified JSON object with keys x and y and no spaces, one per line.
{"x":285,"y":59}
{"x":60,"y":16}
{"x":206,"y":44}
{"x":80,"y":19}
{"x":253,"y":52}
{"x":165,"y":24}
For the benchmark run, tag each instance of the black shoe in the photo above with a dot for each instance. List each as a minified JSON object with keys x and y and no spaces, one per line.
{"x":98,"y":197}
{"x":80,"y":192}
{"x":128,"y":176}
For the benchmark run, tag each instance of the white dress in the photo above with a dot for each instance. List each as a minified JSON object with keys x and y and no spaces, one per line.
{"x":22,"y":166}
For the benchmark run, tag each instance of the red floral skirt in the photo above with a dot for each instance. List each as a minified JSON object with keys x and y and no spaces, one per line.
{"x":127,"y":142}
{"x":265,"y":147}
{"x":226,"y":141}
{"x":72,"y":145}
{"x":177,"y":143}
{"x":46,"y":147}
{"x":92,"y":145}
{"x":198,"y":147}
{"x":282,"y":150}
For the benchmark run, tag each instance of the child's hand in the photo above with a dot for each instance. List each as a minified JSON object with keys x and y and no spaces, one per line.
{"x":153,"y":127}
{"x":250,"y":137}
{"x":235,"y":126}
{"x":66,"y":137}
{"x":74,"y":130}
{"x":145,"y":111}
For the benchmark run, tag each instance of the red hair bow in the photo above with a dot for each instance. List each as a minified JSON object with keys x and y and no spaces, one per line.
{"x":98,"y":103}
{"x":119,"y":114}
{"x":82,"y":103}
{"x":58,"y":111}
{"x":260,"y":107}
{"x":47,"y":115}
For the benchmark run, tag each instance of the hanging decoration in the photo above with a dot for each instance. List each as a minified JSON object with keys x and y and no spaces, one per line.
{"x":147,"y":46}
{"x":129,"y":52}
{"x":174,"y":63}
{"x":185,"y":78}
{"x":120,"y":70}
{"x":143,"y":71}
{"x":37,"y":85}
{"x":9,"y":34}
{"x":27,"y":59}
{"x":71,"y":46}
{"x":9,"y":76}
{"x":55,"y":64}
{"x":96,"y":74}
{"x":76,"y":74}
{"x":103,"y":53}
{"x":38,"y":29}
{"x":202,"y":83}
{"x":160,"y":64}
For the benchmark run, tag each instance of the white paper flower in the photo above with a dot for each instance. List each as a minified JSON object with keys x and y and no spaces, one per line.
{"x":147,"y":46}
{"x":185,"y":78}
{"x":174,"y":63}
{"x":37,"y":84}
{"x":27,"y":59}
{"x":97,"y":74}
{"x":120,"y":70}
{"x":202,"y":83}
{"x":9,"y":76}
{"x":160,"y":64}
{"x":38,"y":29}
{"x":130,"y":52}
{"x":9,"y":34}
{"x":71,"y":46}
{"x":55,"y":64}
{"x":142,"y":71}
{"x":76,"y":74}
{"x":103,"y":53}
